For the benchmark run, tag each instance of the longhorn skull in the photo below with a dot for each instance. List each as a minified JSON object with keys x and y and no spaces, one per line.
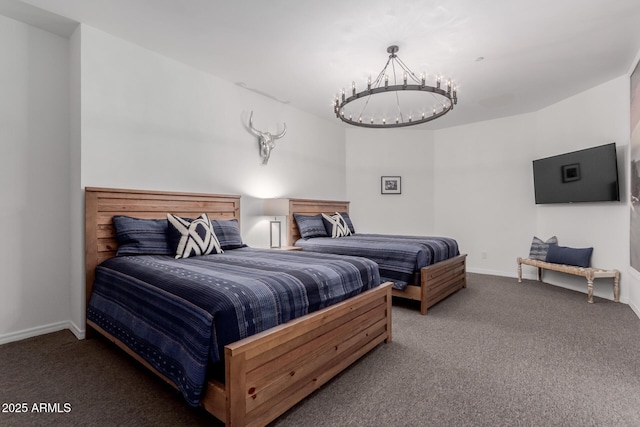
{"x":266,"y":141}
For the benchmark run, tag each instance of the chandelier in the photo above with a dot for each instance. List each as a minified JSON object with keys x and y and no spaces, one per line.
{"x":379,"y":105}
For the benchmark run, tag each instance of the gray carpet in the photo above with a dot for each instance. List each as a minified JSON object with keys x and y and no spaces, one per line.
{"x":497,"y":353}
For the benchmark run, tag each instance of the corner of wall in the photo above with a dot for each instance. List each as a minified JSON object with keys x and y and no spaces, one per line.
{"x":76,"y":285}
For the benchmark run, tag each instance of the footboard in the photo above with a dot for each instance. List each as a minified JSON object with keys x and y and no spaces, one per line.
{"x":437,"y":282}
{"x":268,"y":373}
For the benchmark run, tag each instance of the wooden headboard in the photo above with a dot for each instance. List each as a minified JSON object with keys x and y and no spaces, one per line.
{"x":101,"y":204}
{"x":310,"y":207}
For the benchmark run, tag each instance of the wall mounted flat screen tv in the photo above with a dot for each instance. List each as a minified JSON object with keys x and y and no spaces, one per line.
{"x":589,"y":175}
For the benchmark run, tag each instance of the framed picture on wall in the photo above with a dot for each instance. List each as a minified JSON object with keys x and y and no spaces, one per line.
{"x":391,"y":185}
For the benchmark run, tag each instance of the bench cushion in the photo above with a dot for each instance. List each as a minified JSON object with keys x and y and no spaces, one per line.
{"x":580,"y":257}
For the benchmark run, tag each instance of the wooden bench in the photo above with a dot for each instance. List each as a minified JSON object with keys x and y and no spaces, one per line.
{"x":589,"y":273}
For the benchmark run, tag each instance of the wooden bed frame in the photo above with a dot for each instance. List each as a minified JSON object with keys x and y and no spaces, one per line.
{"x":433,"y":283}
{"x":268,"y":373}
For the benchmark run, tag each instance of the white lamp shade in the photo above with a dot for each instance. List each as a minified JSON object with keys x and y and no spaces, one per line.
{"x":276,"y":207}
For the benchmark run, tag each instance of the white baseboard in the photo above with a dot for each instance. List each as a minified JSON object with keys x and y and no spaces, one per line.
{"x":635,"y":276}
{"x":635,"y":308}
{"x":79,"y":333}
{"x":41,"y":330}
{"x":513,"y":274}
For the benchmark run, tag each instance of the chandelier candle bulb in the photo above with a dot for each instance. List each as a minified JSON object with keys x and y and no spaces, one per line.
{"x":357,"y":103}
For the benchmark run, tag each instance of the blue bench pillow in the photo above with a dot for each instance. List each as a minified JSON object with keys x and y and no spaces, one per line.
{"x":580,"y":257}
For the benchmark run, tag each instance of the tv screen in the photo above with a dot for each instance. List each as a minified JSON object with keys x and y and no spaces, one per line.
{"x":589,"y":175}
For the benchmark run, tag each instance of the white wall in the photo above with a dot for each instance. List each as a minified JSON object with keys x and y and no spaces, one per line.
{"x":77,"y":293}
{"x":96,"y":110}
{"x":482,"y":184}
{"x":138,"y":118}
{"x":484,"y":191}
{"x":373,"y":153}
{"x":34,"y":172}
{"x":149,"y":122}
{"x":581,"y":122}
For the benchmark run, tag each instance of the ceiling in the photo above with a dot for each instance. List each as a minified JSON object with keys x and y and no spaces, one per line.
{"x":534,"y":52}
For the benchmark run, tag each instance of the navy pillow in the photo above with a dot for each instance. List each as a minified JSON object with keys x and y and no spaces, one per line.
{"x":580,"y":257}
{"x":228,"y":233}
{"x":137,"y":236}
{"x":310,"y":226}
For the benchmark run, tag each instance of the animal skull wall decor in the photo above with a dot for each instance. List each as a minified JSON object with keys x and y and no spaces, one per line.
{"x":266,"y":140}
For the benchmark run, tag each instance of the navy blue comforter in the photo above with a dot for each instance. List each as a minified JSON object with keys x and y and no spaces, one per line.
{"x":179,"y":314}
{"x":399,"y":257}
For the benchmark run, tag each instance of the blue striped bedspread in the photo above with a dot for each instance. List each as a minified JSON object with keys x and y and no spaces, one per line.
{"x":399,"y":257}
{"x":179,"y":314}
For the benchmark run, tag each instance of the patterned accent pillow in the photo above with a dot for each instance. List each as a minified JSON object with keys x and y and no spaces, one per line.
{"x":539,"y":248}
{"x":347,"y":219}
{"x":336,"y":225}
{"x":310,"y":226}
{"x":138,"y":236}
{"x":192,"y":237}
{"x":228,"y":233}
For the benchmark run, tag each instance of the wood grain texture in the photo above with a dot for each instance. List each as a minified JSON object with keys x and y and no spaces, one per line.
{"x":436,"y":282}
{"x":310,"y":207}
{"x":102,"y":204}
{"x":268,"y":373}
